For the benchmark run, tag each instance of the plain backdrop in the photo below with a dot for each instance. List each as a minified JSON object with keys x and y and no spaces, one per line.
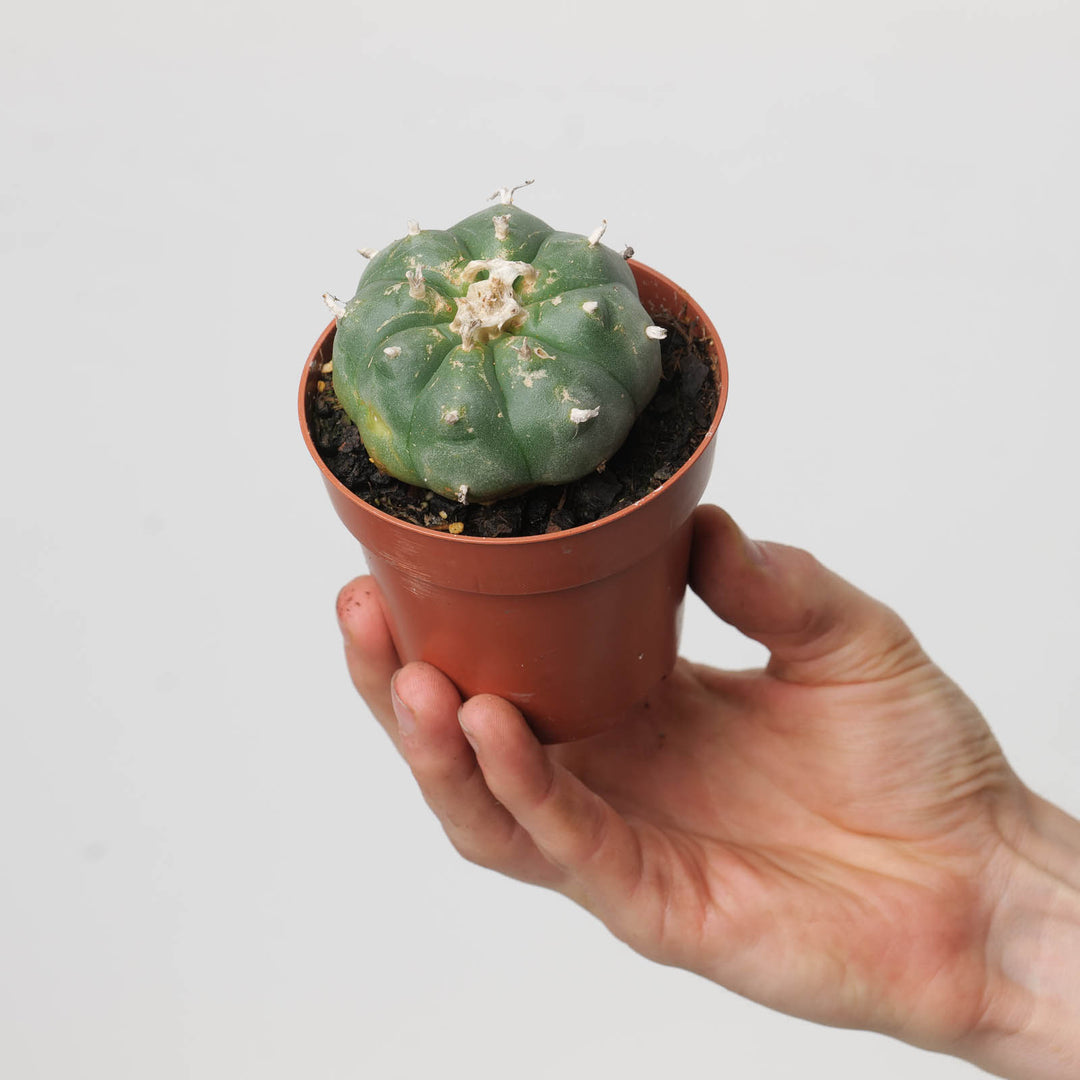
{"x":212,"y":865}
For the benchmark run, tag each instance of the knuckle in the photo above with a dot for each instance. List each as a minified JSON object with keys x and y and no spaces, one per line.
{"x":594,"y":840}
{"x":472,"y":851}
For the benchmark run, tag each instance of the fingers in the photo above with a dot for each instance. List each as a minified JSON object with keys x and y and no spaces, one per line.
{"x":418,"y":706}
{"x":369,"y":651}
{"x":573,"y":827}
{"x":445,"y":767}
{"x":817,"y":627}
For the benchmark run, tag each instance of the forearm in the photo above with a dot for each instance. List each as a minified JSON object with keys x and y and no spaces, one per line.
{"x":1033,"y":1012}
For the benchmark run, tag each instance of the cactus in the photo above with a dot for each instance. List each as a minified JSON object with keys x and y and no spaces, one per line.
{"x":494,"y":356}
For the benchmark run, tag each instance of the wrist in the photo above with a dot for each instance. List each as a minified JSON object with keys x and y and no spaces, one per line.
{"x":1031,"y":1027}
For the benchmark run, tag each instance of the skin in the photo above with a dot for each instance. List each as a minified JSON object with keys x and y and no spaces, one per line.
{"x":837,"y":836}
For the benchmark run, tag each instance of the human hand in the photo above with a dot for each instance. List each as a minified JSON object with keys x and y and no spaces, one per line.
{"x":836,"y":836}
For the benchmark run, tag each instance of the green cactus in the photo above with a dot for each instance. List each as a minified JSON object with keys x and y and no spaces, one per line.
{"x":494,"y":356}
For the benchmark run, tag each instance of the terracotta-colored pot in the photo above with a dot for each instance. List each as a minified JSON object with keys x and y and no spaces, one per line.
{"x":573,"y":627}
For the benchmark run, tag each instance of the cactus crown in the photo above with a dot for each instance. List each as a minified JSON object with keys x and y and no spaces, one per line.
{"x":493,"y":356}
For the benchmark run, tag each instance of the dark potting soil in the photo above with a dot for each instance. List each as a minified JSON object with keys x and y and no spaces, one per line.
{"x":663,"y":438}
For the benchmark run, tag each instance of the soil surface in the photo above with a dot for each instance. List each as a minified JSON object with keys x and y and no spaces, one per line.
{"x":663,"y":438}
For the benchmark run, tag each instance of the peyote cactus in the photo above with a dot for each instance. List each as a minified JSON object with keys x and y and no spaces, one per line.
{"x":484,"y":359}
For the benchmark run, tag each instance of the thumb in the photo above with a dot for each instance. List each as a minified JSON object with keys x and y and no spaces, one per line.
{"x":817,"y":627}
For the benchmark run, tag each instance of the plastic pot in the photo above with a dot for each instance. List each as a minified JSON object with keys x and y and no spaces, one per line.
{"x":573,"y":627}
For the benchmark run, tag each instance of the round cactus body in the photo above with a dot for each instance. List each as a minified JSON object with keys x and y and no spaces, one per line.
{"x":494,"y":356}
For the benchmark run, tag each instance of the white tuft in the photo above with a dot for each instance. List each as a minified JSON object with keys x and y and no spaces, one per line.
{"x":490,"y":306}
{"x":451,"y":416}
{"x":416,"y":282}
{"x":414,"y":227}
{"x":502,"y":226}
{"x":368,"y":253}
{"x":506,"y":195}
{"x":657,"y":333}
{"x":337,"y":308}
{"x":597,"y":233}
{"x":392,"y":351}
{"x":524,"y":351}
{"x":579,"y":416}
{"x":463,"y":494}
{"x":590,"y":306}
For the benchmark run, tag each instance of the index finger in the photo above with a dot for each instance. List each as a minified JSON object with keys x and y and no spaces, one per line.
{"x":369,"y":650}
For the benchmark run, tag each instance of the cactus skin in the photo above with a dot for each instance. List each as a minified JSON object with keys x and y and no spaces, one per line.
{"x":475,"y":411}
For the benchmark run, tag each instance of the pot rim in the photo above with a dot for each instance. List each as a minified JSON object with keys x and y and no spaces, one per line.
{"x":708,"y":332}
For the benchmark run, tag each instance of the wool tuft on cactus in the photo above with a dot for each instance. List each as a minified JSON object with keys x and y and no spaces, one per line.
{"x":494,"y":356}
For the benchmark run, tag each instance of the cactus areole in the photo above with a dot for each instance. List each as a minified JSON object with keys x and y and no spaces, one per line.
{"x":484,"y":359}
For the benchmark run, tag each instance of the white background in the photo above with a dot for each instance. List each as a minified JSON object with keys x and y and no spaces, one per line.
{"x":211,"y":863}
